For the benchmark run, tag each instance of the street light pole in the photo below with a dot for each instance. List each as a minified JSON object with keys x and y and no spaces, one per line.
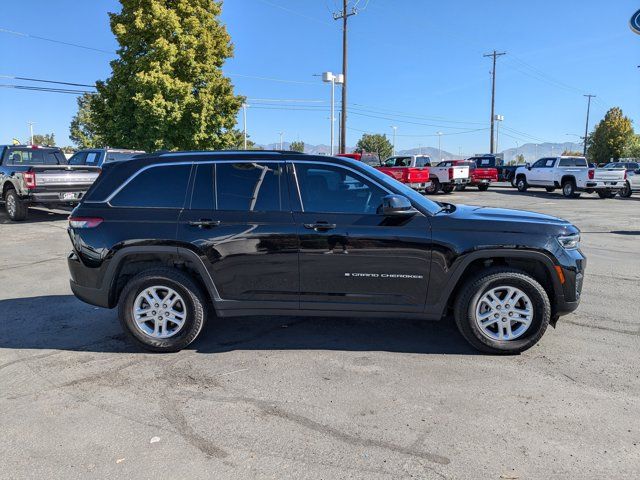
{"x":439,"y":146}
{"x":31,"y":124}
{"x":586,"y":128}
{"x":394,"y":138}
{"x":281,"y":142}
{"x":329,"y":77}
{"x":244,"y":121}
{"x":498,"y":119}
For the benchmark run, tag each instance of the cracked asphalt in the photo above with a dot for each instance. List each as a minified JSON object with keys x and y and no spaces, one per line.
{"x":321,"y":398}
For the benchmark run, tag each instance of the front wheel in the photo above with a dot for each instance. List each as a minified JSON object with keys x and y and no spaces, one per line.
{"x":502,"y":311}
{"x":447,"y":188}
{"x":626,"y":190}
{"x":521,"y":184}
{"x":162,"y":309}
{"x":461,"y":188}
{"x":483,"y":187}
{"x":16,"y":208}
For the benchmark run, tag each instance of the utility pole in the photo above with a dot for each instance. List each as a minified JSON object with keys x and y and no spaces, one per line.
{"x":495,"y":55}
{"x":344,"y":16}
{"x":244,"y":118}
{"x":586,"y":129}
{"x":31,"y":124}
{"x":439,"y":146}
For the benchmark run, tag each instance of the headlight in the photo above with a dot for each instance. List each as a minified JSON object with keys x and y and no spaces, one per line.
{"x":569,"y":242}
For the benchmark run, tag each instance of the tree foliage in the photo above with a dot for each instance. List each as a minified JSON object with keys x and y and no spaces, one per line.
{"x":519,"y":160}
{"x":167,"y":90}
{"x":375,"y":143}
{"x":632,"y":149}
{"x":43,"y":140}
{"x":571,"y":153}
{"x":83,"y":126}
{"x":297,"y":146}
{"x":610,"y":137}
{"x":237,"y":142}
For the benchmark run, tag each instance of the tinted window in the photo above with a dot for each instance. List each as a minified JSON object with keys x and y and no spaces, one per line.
{"x":330,"y":189}
{"x":161,"y":187}
{"x":78,"y":159}
{"x":249,"y":186}
{"x":423,"y":161}
{"x":35,"y":157}
{"x":540,"y":163}
{"x":118,"y":156}
{"x":92,"y":158}
{"x":573,"y":162}
{"x":203,"y":197}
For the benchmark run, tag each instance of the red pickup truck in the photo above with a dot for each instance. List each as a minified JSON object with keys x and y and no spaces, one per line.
{"x":480,"y":177}
{"x":412,"y":170}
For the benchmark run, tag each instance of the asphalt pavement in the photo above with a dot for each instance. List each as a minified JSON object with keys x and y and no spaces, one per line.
{"x":321,"y":398}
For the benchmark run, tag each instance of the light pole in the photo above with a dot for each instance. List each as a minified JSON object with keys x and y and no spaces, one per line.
{"x":31,"y":124}
{"x":394,"y":138}
{"x":329,"y":77}
{"x":439,"y":146}
{"x":244,"y":120}
{"x":499,"y":119}
{"x":281,"y":142}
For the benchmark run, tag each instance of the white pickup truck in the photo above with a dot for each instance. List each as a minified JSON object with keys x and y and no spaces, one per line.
{"x":444,"y":177}
{"x":572,"y":175}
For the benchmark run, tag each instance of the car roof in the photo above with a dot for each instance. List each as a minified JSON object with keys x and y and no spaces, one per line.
{"x":32,"y":147}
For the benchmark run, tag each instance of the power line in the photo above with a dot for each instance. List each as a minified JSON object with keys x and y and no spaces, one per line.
{"x":69,"y":44}
{"x":47,"y":81}
{"x":45,"y":89}
{"x":270,"y":79}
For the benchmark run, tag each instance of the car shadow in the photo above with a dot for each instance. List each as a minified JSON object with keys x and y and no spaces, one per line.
{"x":62,"y":322}
{"x":36,"y":215}
{"x":554,"y":195}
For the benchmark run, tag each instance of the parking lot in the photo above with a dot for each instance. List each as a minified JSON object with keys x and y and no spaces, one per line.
{"x":321,"y":398}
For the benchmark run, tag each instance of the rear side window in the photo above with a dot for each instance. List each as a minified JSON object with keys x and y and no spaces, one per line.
{"x":249,"y":186}
{"x":573,"y":162}
{"x":156,"y":187}
{"x":35,"y":157}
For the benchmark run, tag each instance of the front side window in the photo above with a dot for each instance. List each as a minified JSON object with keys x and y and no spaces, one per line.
{"x":156,"y":187}
{"x":250,"y":186}
{"x":540,"y":163}
{"x":333,"y":189}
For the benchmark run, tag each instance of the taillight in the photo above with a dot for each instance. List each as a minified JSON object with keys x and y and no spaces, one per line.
{"x":29,"y":180}
{"x":84,"y":222}
{"x":592,"y":174}
{"x":450,"y":173}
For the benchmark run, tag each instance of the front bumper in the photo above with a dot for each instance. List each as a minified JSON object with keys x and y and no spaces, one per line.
{"x":573,"y":264}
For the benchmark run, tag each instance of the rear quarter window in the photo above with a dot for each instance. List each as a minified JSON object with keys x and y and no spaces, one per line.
{"x":156,"y":187}
{"x":573,"y":162}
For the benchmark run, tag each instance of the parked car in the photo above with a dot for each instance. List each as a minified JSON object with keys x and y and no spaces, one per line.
{"x":32,"y":175}
{"x":97,"y":156}
{"x":446,"y":178}
{"x":572,"y":174}
{"x":632,"y":183}
{"x":490,"y":160}
{"x":411,"y":170}
{"x":480,"y":177}
{"x":165,"y":236}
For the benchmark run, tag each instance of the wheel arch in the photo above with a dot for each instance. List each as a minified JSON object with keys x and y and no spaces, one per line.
{"x":566,"y":178}
{"x":535,"y":263}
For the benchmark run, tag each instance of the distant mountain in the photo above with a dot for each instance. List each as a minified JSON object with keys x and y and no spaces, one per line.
{"x":432,"y":152}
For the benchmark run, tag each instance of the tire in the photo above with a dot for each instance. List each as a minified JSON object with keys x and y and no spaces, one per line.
{"x":513,"y":182}
{"x":433,"y":189}
{"x":569,"y":189}
{"x":605,"y":194}
{"x":17,"y":210}
{"x":448,"y":188}
{"x":483,"y":187}
{"x":550,"y":189}
{"x":626,"y":191}
{"x":461,"y":188}
{"x":471,"y":300}
{"x":521,"y":183}
{"x":192,"y":306}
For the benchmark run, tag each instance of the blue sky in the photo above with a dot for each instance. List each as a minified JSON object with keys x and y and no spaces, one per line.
{"x":414,"y":64}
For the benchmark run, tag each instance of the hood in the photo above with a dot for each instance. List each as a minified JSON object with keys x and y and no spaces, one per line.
{"x":508,"y":220}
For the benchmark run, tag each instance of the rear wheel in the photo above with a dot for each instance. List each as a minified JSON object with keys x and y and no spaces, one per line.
{"x":461,"y":188}
{"x":626,"y":191}
{"x":448,"y":188}
{"x":16,"y":208}
{"x":550,"y":189}
{"x":483,"y":187}
{"x":162,"y":310}
{"x":502,"y":311}
{"x":569,"y":189}
{"x":521,"y":183}
{"x":433,"y":188}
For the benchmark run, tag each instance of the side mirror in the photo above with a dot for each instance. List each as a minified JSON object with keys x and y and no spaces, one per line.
{"x":528,"y":166}
{"x":396,"y":206}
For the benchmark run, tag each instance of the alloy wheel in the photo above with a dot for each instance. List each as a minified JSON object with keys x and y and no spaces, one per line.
{"x":159,"y":312}
{"x":504,"y":313}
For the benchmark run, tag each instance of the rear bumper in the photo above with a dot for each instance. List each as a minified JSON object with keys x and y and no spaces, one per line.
{"x":54,"y":197}
{"x":92,"y":296}
{"x":419,"y":185}
{"x":98,"y":296}
{"x":600,"y":185}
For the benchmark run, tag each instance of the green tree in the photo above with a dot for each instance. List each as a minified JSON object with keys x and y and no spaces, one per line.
{"x":83,"y":128}
{"x":46,"y":139}
{"x":571,"y":153}
{"x":632,"y":150}
{"x":297,"y":146}
{"x":610,"y":137}
{"x":237,"y":142}
{"x":375,"y":143}
{"x":519,"y":159}
{"x":167,"y":90}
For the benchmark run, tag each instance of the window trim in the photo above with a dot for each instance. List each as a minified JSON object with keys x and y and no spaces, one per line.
{"x":359,"y":174}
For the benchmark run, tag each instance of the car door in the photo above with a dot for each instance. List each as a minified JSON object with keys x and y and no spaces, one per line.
{"x":351,"y":257}
{"x":547,"y":172}
{"x":633,"y":175}
{"x":535,"y":176}
{"x":239,"y":222}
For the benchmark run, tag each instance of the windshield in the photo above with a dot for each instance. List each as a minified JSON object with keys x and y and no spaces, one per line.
{"x":411,"y":194}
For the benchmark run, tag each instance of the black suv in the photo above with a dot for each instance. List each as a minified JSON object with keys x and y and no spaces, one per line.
{"x":168,"y":236}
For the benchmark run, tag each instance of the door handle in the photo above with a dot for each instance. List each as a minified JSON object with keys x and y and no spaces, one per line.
{"x":320,"y":226}
{"x":204,"y":223}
